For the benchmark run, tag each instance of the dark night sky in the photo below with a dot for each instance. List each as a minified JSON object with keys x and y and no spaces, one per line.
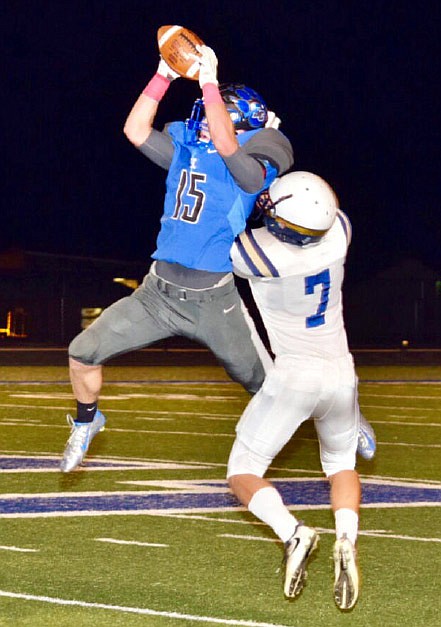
{"x":355,"y":83}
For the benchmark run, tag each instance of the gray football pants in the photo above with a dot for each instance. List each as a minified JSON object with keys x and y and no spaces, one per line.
{"x":215,"y":317}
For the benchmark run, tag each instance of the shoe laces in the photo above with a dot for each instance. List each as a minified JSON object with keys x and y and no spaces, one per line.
{"x":79,"y":433}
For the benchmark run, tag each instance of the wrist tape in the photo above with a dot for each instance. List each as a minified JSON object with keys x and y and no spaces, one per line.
{"x":156,"y":87}
{"x":211,"y":93}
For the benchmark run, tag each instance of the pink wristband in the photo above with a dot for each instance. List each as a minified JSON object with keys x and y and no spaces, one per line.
{"x":211,"y":93}
{"x":157,"y":87}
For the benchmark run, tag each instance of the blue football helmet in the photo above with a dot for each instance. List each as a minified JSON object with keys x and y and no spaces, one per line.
{"x":246,"y":107}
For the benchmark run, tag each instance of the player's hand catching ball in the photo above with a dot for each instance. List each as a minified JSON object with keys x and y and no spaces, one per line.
{"x":273,"y":121}
{"x":165,"y":70}
{"x":208,"y":66}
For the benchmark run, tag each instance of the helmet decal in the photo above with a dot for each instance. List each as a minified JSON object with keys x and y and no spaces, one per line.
{"x":246,"y":108}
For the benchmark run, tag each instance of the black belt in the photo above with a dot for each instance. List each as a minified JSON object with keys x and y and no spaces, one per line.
{"x":185,"y":293}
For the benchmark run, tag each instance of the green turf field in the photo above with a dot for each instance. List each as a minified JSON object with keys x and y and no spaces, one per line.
{"x":147,"y":534}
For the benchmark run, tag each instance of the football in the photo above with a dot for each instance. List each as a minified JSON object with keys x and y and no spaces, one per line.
{"x":177,"y":46}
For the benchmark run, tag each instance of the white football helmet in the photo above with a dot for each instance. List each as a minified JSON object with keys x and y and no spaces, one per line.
{"x":299,"y":208}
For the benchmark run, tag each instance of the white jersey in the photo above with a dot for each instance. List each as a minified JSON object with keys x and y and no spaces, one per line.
{"x":298,"y":290}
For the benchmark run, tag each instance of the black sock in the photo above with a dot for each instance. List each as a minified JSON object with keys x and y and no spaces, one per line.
{"x":86,"y":411}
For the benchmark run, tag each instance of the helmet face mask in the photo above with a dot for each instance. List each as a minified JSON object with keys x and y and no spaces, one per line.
{"x":298,"y":208}
{"x":287,"y":232}
{"x":245,"y":106}
{"x":195,"y":121}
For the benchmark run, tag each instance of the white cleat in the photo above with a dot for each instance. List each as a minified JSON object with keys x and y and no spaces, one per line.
{"x":346,"y":574}
{"x":298,"y":550}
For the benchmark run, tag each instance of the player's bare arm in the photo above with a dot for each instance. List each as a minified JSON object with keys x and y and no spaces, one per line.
{"x":139,"y":122}
{"x":221,"y":129}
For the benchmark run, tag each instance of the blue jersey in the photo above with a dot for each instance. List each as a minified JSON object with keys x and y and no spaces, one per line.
{"x":204,"y":207}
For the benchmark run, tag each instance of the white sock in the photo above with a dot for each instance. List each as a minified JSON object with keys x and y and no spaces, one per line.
{"x":346,"y":521}
{"x":267,"y":505}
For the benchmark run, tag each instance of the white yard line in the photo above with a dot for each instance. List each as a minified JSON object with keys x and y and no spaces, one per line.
{"x":399,"y":407}
{"x":410,"y":444}
{"x":375,"y":534}
{"x":137,"y":610}
{"x":134,"y":542}
{"x":18,"y":549}
{"x":211,"y":434}
{"x":110,"y":410}
{"x":117,"y":430}
{"x":410,"y":397}
{"x":402,"y":423}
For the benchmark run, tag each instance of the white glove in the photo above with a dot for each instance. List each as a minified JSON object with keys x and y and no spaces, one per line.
{"x":165,"y":70}
{"x":208,"y":66}
{"x":273,"y":121}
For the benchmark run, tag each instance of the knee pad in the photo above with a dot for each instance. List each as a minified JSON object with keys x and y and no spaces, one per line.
{"x":243,"y":461}
{"x":333,"y":466}
{"x":257,"y":379}
{"x":84,"y":347}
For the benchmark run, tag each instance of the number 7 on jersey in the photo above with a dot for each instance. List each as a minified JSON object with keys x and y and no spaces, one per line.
{"x":322,"y":279}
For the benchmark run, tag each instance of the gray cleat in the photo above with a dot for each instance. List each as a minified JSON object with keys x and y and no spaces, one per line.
{"x":367,"y":443}
{"x":81,"y":436}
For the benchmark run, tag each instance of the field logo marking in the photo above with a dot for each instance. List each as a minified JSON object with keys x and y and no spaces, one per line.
{"x":208,"y":496}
